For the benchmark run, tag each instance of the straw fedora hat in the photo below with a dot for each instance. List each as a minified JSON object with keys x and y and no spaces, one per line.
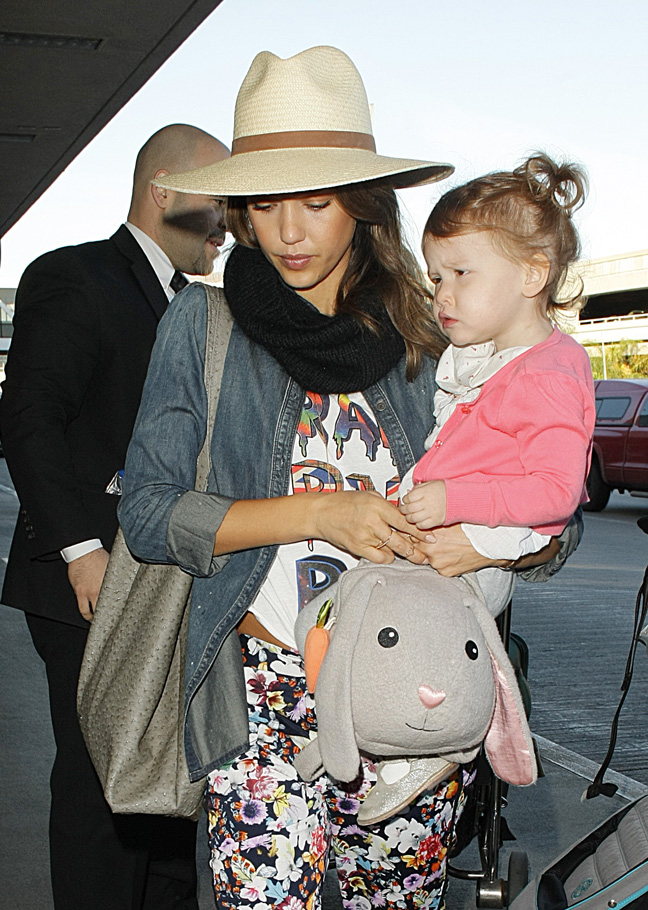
{"x":302,"y":124}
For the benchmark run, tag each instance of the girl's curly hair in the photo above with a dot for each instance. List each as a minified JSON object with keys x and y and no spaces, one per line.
{"x":529,"y":210}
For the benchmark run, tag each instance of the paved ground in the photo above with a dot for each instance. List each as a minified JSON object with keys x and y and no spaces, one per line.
{"x":578,"y":629}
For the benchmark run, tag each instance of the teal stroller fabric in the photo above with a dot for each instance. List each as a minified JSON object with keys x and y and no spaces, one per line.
{"x":606,"y":869}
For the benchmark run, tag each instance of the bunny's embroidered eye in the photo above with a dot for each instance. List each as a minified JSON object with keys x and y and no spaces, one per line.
{"x":472,"y":650}
{"x":387,"y":637}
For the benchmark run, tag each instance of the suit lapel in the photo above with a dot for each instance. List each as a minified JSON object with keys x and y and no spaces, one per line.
{"x":142,"y":270}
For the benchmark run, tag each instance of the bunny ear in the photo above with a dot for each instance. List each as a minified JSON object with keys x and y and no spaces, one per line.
{"x":336,"y":734}
{"x":508,"y":743}
{"x":308,"y":762}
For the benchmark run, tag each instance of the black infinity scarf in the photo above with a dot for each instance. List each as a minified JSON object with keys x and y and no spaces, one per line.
{"x":328,"y":354}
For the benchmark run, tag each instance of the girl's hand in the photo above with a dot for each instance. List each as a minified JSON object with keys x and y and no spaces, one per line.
{"x":425,"y":505}
{"x":366,"y":525}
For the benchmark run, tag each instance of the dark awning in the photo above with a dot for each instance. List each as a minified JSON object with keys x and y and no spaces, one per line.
{"x":66,"y":68}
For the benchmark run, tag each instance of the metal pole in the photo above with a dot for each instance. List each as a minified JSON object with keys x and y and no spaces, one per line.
{"x":604,"y":363}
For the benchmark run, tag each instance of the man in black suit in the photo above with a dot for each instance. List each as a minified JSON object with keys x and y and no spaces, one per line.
{"x":85,"y":322}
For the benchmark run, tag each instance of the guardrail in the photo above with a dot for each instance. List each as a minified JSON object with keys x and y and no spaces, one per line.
{"x":612,"y":320}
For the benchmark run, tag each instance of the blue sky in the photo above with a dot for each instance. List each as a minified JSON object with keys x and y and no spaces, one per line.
{"x":473,"y":83}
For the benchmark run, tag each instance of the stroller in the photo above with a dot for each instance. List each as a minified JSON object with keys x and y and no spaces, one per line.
{"x":482,"y":817}
{"x":606,"y":868}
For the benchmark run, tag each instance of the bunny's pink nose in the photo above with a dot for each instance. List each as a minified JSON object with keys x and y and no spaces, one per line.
{"x":430,"y":697}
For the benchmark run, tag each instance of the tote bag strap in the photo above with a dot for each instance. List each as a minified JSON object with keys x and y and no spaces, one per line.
{"x":219,"y":327}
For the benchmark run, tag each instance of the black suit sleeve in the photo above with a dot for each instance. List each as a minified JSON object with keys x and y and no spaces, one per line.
{"x":53,"y":360}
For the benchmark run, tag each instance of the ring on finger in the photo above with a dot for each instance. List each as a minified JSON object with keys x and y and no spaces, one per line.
{"x":409,"y":552}
{"x":380,"y":545}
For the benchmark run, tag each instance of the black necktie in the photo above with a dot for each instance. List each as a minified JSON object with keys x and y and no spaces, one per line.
{"x":178,"y":282}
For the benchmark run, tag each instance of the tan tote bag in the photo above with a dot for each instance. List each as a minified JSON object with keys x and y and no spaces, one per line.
{"x":131,"y":688}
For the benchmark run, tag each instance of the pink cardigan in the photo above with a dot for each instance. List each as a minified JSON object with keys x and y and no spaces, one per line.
{"x":519,"y":454}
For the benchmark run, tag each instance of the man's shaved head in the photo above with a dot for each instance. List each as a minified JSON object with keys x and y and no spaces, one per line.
{"x":188,"y":227}
{"x":175,"y":148}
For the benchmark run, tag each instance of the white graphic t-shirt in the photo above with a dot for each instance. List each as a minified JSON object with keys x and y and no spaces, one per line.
{"x":339,"y":446}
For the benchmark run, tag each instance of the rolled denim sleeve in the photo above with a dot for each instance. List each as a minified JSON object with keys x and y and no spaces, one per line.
{"x":164,"y":519}
{"x":190,"y":535}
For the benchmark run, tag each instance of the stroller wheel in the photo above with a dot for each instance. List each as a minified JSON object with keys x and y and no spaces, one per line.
{"x":518,"y":875}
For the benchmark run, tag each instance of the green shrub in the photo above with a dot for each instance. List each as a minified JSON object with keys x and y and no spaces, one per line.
{"x":622,"y":361}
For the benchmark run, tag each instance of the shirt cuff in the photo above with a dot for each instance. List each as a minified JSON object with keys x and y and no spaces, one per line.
{"x":81,"y":549}
{"x":504,"y":542}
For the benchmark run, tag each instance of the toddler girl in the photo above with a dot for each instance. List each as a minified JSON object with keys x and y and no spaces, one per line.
{"x":509,"y":454}
{"x":510,"y":451}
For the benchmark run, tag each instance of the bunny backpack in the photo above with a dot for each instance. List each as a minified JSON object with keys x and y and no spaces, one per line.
{"x":414,"y":666}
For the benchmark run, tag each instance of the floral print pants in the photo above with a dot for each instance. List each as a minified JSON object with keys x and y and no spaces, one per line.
{"x":270,"y":832}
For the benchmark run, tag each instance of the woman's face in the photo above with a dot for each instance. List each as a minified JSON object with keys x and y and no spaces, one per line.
{"x":307,"y":237}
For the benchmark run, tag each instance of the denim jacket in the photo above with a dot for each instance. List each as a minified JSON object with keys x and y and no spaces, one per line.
{"x":166,"y":521}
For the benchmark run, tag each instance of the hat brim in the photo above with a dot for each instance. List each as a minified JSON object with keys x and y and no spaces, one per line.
{"x":296,"y":170}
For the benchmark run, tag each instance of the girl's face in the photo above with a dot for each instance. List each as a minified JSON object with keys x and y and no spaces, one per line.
{"x":480,"y":295}
{"x":307,"y":237}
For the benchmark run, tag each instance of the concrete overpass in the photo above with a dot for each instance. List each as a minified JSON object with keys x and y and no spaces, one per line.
{"x":614,"y":285}
{"x":616,"y":288}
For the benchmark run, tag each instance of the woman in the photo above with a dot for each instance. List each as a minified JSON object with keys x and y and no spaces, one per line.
{"x":321,"y":395}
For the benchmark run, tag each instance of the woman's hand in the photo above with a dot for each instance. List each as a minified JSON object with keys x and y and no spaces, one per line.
{"x":360,"y":522}
{"x":366,"y":525}
{"x":449,"y":551}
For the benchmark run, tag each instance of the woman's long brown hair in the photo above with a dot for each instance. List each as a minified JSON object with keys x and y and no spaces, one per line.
{"x":381,"y":267}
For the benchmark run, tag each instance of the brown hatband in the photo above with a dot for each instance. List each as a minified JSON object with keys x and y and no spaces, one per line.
{"x":304,"y":139}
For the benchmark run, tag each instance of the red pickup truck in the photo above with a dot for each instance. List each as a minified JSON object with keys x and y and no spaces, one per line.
{"x":620,"y":455}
